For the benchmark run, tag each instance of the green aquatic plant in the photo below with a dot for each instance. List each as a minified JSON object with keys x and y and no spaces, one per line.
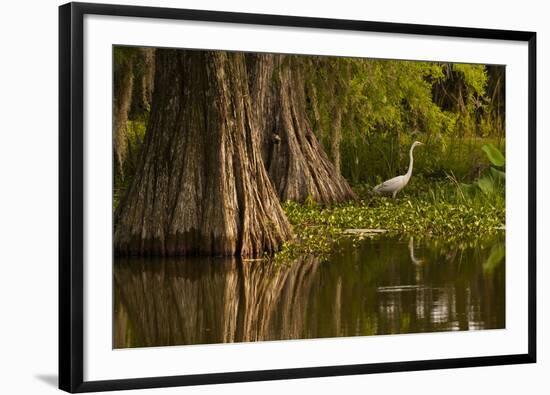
{"x":492,"y":182}
{"x":494,"y":155}
{"x":438,"y":212}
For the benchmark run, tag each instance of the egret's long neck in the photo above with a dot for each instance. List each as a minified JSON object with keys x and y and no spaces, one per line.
{"x":410,"y":169}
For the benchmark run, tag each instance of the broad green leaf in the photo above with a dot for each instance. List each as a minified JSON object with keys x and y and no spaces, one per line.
{"x":494,"y":155}
{"x":486,"y":184}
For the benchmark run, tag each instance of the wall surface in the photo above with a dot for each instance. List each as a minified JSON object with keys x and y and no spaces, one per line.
{"x":28,"y":198}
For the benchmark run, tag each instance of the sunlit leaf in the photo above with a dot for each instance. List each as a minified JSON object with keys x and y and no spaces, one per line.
{"x":494,"y":155}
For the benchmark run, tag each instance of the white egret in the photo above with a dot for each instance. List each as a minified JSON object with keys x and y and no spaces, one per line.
{"x":395,"y":184}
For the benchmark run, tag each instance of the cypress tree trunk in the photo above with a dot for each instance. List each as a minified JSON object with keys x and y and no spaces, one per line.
{"x":144,"y":71}
{"x":123,"y":86}
{"x":148,"y":79}
{"x":201,"y":187}
{"x":296,"y":163}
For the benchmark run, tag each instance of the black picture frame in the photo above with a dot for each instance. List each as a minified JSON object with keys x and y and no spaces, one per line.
{"x":71,"y":204}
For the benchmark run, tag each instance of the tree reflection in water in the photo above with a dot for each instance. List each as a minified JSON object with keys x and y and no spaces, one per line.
{"x":375,"y":287}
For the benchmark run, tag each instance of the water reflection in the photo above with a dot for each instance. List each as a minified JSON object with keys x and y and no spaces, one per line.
{"x":376,"y":286}
{"x":414,"y":259}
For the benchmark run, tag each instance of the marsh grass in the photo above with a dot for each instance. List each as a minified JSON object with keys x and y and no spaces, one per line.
{"x":376,"y":158}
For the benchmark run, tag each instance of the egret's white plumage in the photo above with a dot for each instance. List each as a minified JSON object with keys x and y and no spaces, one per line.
{"x":396,"y":184}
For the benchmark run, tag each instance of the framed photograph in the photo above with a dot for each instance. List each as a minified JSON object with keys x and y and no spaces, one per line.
{"x":249,"y":197}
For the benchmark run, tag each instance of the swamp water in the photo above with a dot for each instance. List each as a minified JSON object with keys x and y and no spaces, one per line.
{"x":370,"y":287}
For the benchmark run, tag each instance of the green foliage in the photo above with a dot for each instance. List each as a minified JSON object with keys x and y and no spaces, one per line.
{"x":373,"y":159}
{"x":390,"y":96}
{"x":437,"y":208}
{"x":461,"y":156}
{"x":474,"y":77}
{"x":380,"y":96}
{"x":492,"y":182}
{"x":494,"y":155}
{"x":486,"y":185}
{"x":387,"y":104}
{"x":439,"y":211}
{"x":124,"y":55}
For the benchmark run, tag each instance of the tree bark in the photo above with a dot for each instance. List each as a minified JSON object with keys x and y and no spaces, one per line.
{"x":296,"y":163}
{"x":144,"y":72}
{"x":123,"y":86}
{"x":201,"y":187}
